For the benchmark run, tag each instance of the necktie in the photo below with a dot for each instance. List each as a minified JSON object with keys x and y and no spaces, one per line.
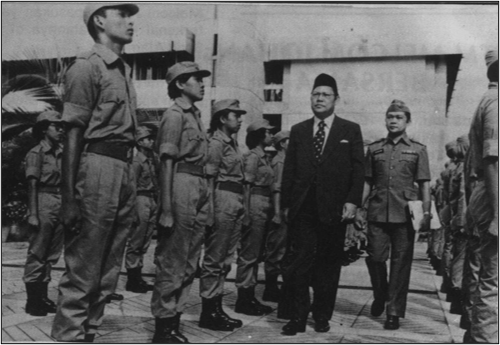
{"x":319,"y":139}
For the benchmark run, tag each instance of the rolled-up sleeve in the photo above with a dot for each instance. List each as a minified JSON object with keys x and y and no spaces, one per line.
{"x":215,"y":151}
{"x":33,"y":165}
{"x":251,"y":166}
{"x":423,"y":171}
{"x":80,"y":94}
{"x":169,"y":134}
{"x":490,"y":130}
{"x":278,"y":174}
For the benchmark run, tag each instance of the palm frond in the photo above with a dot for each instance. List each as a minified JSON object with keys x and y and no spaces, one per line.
{"x":29,"y":101}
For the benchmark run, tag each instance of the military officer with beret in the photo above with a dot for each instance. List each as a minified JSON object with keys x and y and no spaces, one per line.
{"x":225,"y":167}
{"x":98,"y":181}
{"x":392,"y":167}
{"x":145,"y":168}
{"x":43,"y":172}
{"x":182,"y":145}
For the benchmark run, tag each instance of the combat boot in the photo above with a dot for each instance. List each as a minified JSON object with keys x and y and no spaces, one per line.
{"x":35,"y":305}
{"x":271,"y":291}
{"x":50,"y":306}
{"x":135,"y":283}
{"x":163,"y":331}
{"x":211,"y":318}
{"x":249,"y":305}
{"x":176,"y":331}
{"x":234,"y":322}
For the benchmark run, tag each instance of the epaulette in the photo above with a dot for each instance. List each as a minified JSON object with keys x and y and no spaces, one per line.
{"x":377,"y":141}
{"x":416,"y":142}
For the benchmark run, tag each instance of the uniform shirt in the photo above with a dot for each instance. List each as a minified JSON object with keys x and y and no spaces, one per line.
{"x":393,"y":169}
{"x":457,"y":197}
{"x":100,"y":97}
{"x":328,"y":125}
{"x":277,"y":165}
{"x":258,"y":171}
{"x":483,"y":134}
{"x":145,"y":173}
{"x":225,"y":161}
{"x":181,"y":135}
{"x":43,"y":163}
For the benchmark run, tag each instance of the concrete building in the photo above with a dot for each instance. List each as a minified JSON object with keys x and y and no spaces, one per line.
{"x":267,"y":56}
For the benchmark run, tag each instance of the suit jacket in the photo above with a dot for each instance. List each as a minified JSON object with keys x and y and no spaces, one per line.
{"x":338,"y":177}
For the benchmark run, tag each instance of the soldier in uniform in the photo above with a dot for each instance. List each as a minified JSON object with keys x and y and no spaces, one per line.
{"x":225,"y":166}
{"x":259,"y":177}
{"x":182,"y":145}
{"x":275,"y":244}
{"x":43,"y":172}
{"x":457,"y":223}
{"x":145,"y":167}
{"x":98,"y":181}
{"x":481,"y":176}
{"x":392,"y":167}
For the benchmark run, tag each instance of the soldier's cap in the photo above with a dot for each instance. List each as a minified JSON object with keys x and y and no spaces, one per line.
{"x":326,"y":80}
{"x":93,"y":7}
{"x":256,"y":125}
{"x":227,"y":104}
{"x":185,"y":67}
{"x":491,"y":57}
{"x":397,"y":105}
{"x":142,"y":132}
{"x":281,"y":135}
{"x":49,"y":116}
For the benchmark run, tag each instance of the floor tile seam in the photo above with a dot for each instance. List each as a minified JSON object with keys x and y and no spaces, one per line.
{"x":21,"y":330}
{"x":442,"y":305}
{"x":349,"y":331}
{"x":241,"y":328}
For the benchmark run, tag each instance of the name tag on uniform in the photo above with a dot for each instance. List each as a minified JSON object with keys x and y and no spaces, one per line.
{"x":379,"y":151}
{"x":410,"y":153}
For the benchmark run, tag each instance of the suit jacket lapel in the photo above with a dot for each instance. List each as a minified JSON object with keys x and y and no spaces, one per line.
{"x":308,"y":139}
{"x":336,"y":133}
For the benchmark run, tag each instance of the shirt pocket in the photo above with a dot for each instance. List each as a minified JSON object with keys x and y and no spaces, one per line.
{"x":193,"y":135}
{"x":409,"y":161}
{"x":410,"y":195}
{"x":107,"y":110}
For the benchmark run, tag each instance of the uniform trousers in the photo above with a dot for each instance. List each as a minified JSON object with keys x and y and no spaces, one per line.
{"x":275,"y":248}
{"x":46,"y":242}
{"x":221,"y":242}
{"x":178,"y":253}
{"x":140,"y":235}
{"x":447,"y":258}
{"x":398,"y":239}
{"x":106,"y":193}
{"x":457,"y":263}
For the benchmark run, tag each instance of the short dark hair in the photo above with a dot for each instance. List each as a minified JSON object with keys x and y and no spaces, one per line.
{"x":93,"y":31}
{"x":173,"y":91}
{"x":493,"y":72}
{"x":215,"y":122}
{"x":255,"y":137}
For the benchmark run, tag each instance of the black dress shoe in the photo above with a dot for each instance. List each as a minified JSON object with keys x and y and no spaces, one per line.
{"x":114,"y":297}
{"x":294,"y":326}
{"x":392,"y":322}
{"x":378,"y":307}
{"x":321,"y":325}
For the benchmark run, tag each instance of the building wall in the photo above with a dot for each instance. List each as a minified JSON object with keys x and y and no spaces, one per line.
{"x":367,"y":87}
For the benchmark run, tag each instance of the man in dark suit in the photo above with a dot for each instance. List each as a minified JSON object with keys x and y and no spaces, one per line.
{"x":321,"y":188}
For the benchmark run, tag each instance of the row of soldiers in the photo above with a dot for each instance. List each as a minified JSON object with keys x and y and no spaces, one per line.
{"x":209,"y":193}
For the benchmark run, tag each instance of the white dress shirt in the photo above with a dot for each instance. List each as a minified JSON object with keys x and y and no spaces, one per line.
{"x":328,"y":125}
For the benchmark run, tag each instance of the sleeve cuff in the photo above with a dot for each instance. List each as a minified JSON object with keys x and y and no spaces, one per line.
{"x":169,"y":149}
{"x":249,"y":178}
{"x":32,"y":172}
{"x":76,"y":115}
{"x":490,"y":148}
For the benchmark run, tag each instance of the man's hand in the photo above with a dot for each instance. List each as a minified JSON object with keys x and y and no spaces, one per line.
{"x":70,"y":216}
{"x":348,"y":212}
{"x":33,"y":221}
{"x":285,"y":215}
{"x":166,"y":221}
{"x":277,"y":218}
{"x":493,"y":229}
{"x":425,"y":224}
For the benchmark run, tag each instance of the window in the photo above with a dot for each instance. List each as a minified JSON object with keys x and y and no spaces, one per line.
{"x":273,"y":91}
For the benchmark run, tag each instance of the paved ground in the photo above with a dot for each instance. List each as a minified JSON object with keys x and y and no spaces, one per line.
{"x":130,"y":320}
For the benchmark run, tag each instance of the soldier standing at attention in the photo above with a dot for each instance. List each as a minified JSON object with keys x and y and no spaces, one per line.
{"x":225,"y":166}
{"x":276,"y":235}
{"x":43,"y":172}
{"x":147,"y":187}
{"x":182,"y":145}
{"x":258,"y":205}
{"x":392,"y":167}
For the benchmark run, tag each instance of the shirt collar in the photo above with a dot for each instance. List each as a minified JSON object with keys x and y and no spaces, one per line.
{"x":404,"y":138}
{"x":46,"y":147}
{"x":105,"y":53}
{"x":493,"y":85}
{"x":259,"y":151}
{"x":185,"y":105}
{"x":223,"y":136}
{"x":328,"y":121}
